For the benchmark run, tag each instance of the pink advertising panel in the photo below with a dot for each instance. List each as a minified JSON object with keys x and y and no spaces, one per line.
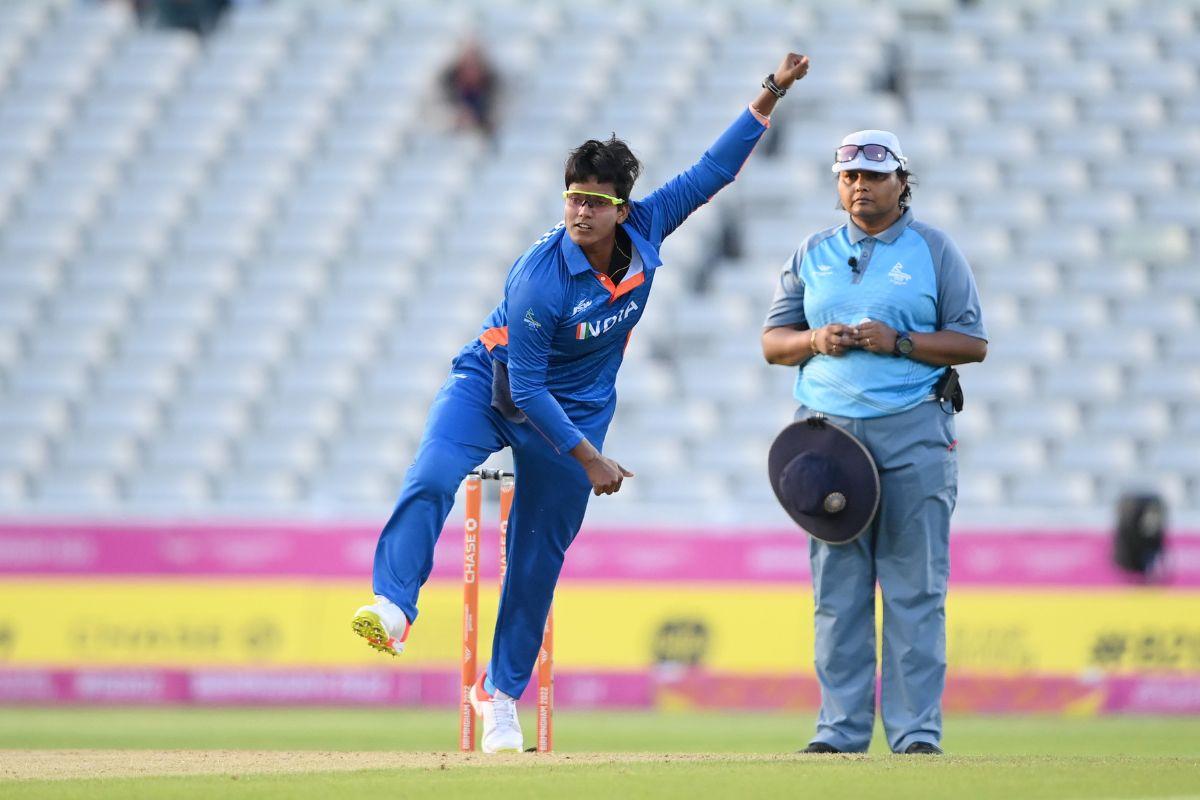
{"x":981,"y":558}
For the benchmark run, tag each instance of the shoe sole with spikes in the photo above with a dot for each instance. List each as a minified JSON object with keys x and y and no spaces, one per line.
{"x":368,"y":625}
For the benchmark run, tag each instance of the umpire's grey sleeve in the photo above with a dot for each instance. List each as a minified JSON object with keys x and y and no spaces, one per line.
{"x":787,"y":306}
{"x":957,"y":297}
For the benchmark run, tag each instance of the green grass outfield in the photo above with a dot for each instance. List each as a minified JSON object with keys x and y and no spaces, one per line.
{"x":747,"y":756}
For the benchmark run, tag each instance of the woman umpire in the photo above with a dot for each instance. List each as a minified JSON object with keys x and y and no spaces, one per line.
{"x":540,"y":378}
{"x":873,"y":312}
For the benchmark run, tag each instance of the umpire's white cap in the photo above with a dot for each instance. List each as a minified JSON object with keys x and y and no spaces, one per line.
{"x":885,"y":157}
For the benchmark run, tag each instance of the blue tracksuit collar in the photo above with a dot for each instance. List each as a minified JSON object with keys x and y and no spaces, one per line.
{"x":891,"y":234}
{"x":577,"y":262}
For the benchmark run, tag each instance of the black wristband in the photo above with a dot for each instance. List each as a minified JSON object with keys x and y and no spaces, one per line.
{"x":771,"y":86}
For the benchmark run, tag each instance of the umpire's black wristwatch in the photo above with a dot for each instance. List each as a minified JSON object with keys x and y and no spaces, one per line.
{"x":903,"y":345}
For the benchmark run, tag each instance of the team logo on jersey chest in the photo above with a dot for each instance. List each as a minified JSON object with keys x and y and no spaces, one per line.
{"x":898,"y":276}
{"x":590,"y":330}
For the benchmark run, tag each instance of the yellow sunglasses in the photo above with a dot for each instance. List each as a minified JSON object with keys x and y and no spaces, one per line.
{"x":581,"y":198}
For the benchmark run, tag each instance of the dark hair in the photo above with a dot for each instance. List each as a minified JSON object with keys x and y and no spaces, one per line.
{"x":604,"y":162}
{"x":909,"y":182}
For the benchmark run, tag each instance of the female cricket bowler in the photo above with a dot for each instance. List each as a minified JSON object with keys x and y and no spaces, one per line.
{"x":540,"y":378}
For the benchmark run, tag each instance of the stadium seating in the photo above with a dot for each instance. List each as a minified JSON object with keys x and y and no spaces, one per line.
{"x":233,"y":272}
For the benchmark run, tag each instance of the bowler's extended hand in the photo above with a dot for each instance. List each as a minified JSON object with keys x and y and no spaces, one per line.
{"x":606,"y":475}
{"x":793,"y":67}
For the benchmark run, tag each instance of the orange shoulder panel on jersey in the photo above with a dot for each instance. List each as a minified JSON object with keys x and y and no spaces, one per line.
{"x":494,"y":337}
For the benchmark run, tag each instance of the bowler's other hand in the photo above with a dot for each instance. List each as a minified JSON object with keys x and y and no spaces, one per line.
{"x":834,"y":339}
{"x":793,"y":67}
{"x":606,"y":475}
{"x":873,"y":336}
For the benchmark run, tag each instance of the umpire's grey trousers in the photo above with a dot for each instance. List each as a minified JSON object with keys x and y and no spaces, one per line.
{"x":907,"y":550}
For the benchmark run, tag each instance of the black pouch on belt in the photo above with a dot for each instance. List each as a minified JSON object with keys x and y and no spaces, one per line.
{"x":948,"y":388}
{"x":502,"y":393}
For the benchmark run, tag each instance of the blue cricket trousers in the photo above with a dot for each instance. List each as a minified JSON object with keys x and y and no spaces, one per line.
{"x":907,"y":552}
{"x":551,"y":496}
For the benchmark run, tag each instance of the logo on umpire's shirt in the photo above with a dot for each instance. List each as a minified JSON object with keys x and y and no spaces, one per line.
{"x":898,"y":276}
{"x":823,"y":269}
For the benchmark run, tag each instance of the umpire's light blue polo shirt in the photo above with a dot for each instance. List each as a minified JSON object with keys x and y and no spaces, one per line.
{"x":910,"y":276}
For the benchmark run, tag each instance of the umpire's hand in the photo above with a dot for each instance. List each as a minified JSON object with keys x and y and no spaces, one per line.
{"x":834,"y":339}
{"x":874,"y":336}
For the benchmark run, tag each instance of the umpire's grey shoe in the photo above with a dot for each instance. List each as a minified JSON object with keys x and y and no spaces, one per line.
{"x":922,"y":749}
{"x":820,"y":747}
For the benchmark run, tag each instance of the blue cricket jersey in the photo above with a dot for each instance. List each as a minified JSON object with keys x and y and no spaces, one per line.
{"x":911,"y":277}
{"x":562,"y":326}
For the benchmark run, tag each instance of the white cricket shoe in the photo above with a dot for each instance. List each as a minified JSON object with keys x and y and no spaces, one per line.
{"x":501,"y":728}
{"x":383,"y":625}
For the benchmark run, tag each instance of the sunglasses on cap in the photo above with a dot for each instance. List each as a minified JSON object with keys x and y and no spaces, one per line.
{"x":578,"y":198}
{"x":871,"y":152}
